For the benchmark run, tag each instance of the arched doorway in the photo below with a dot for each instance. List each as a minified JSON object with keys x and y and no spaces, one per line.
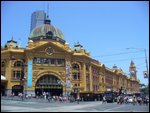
{"x":48,"y":83}
{"x":16,"y":89}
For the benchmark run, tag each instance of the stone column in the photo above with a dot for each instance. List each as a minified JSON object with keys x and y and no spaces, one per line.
{"x":8,"y":75}
{"x":91,"y":79}
{"x":84,"y":76}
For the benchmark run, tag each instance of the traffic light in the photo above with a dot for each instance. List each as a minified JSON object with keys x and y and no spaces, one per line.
{"x":145,"y":74}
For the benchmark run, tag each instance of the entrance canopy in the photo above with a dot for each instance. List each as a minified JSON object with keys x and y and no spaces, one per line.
{"x":3,"y":78}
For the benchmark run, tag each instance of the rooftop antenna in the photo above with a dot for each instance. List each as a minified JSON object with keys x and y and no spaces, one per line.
{"x":47,"y":10}
{"x":12,"y":38}
{"x":47,"y":20}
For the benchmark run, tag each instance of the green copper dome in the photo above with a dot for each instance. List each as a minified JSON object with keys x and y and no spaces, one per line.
{"x":43,"y":30}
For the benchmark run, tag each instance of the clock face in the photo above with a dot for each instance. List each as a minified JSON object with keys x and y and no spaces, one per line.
{"x":49,"y":50}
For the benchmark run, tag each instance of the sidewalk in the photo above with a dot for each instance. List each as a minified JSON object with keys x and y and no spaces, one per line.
{"x":16,"y":98}
{"x":41,"y":100}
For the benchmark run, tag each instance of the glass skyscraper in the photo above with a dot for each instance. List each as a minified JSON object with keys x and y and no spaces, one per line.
{"x":37,"y":18}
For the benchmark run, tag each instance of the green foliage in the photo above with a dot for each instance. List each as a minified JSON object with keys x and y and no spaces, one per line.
{"x":145,"y":90}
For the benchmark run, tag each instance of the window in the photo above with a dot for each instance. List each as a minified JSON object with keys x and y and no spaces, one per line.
{"x":18,"y":64}
{"x":38,"y":61}
{"x":76,"y":72}
{"x":75,"y":66}
{"x":17,"y":75}
{"x":45,"y":61}
{"x":78,"y":76}
{"x":2,"y":64}
{"x":60,"y":61}
{"x":53,"y":61}
{"x":3,"y":73}
{"x":75,"y":77}
{"x":87,"y":68}
{"x":34,"y":60}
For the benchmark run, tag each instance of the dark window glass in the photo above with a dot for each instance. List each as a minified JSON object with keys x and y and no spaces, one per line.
{"x":38,"y":61}
{"x":18,"y":64}
{"x":78,"y":76}
{"x":45,"y":61}
{"x":59,"y":61}
{"x":75,"y":77}
{"x":52,"y":61}
{"x":18,"y":75}
{"x":3,"y":64}
{"x":34,"y":61}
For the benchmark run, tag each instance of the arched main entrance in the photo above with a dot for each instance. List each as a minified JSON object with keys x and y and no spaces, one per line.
{"x":16,"y":89}
{"x":48,"y":83}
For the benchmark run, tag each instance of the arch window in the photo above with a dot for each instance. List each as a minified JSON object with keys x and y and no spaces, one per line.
{"x":47,"y":79}
{"x":18,"y":64}
{"x":75,"y":72}
{"x":75,"y":67}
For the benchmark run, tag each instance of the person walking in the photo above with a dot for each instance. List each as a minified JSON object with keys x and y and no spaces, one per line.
{"x":78,"y":98}
{"x":118,"y":99}
{"x":104,"y":99}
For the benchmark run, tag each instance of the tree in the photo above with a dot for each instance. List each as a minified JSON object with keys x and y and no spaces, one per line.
{"x":145,"y":89}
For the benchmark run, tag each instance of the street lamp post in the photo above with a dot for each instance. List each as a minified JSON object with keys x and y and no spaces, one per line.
{"x":23,"y":80}
{"x":145,"y":60}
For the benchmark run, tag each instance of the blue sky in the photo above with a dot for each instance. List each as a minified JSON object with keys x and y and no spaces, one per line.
{"x":105,"y":29}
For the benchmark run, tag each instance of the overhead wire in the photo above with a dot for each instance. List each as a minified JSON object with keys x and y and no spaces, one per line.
{"x":124,"y":59}
{"x":117,"y":54}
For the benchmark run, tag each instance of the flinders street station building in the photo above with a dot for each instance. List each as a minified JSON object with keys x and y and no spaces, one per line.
{"x":48,"y":64}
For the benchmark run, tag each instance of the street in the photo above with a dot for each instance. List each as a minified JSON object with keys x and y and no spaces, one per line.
{"x":45,"y":106}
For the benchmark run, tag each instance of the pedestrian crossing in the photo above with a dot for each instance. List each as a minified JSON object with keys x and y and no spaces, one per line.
{"x":16,"y":102}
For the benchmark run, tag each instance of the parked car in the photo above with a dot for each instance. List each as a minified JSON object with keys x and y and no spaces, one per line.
{"x":130,"y":99}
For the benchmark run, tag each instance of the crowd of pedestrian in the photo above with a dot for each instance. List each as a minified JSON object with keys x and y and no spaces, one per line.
{"x":133,"y":100}
{"x":125,"y":99}
{"x":55,"y":98}
{"x":121,"y":99}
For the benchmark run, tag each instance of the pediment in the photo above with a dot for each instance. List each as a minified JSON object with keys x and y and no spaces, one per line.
{"x":44,"y":47}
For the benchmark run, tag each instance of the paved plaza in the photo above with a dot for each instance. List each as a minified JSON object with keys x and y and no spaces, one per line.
{"x":41,"y":105}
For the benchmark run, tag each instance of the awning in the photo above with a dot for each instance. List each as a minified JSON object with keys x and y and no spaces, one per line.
{"x":3,"y":78}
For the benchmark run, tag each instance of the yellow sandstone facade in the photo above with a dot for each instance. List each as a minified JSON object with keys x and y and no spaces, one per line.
{"x":57,"y":68}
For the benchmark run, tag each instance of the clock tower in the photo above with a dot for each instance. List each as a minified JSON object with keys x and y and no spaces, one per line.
{"x":132,"y":70}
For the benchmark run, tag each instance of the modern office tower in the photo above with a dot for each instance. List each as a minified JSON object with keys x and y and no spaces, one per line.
{"x":37,"y":18}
